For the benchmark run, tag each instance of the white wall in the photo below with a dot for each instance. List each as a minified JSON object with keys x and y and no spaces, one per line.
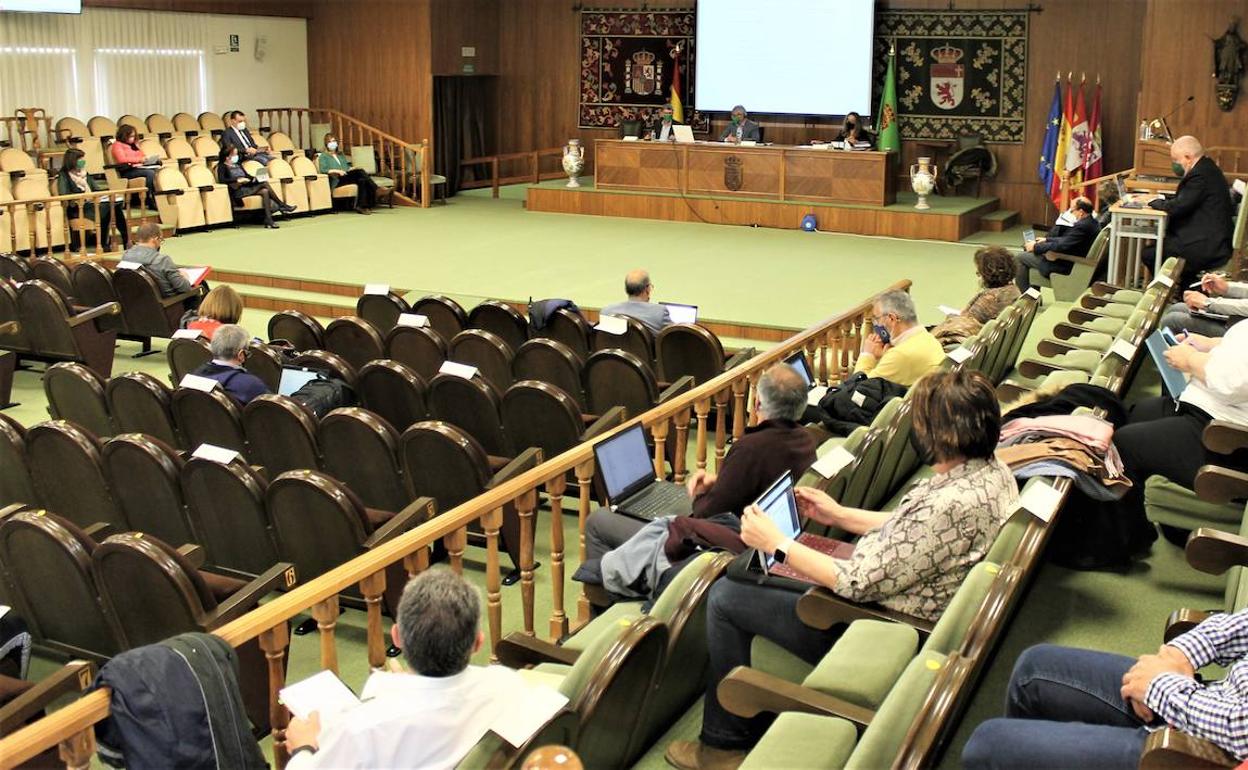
{"x":53,"y":61}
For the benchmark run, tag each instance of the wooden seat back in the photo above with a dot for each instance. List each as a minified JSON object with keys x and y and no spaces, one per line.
{"x":185,"y":355}
{"x":225,"y":504}
{"x":147,"y":313}
{"x":362,"y":451}
{"x":357,"y":341}
{"x":382,"y":310}
{"x":502,"y":320}
{"x":393,"y":391}
{"x":16,"y":485}
{"x":69,"y":477}
{"x":486,"y":351}
{"x":619,"y":378}
{"x":443,"y":462}
{"x":537,"y":414}
{"x":281,"y":435}
{"x":548,"y":360}
{"x":76,"y":394}
{"x":299,"y":329}
{"x":473,"y":407}
{"x":421,"y":348}
{"x":211,"y":417}
{"x":140,"y":403}
{"x":145,"y":476}
{"x":689,"y":349}
{"x":445,"y":314}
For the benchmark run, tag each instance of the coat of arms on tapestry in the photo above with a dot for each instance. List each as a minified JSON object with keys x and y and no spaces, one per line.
{"x":958,"y":72}
{"x":627,"y":66}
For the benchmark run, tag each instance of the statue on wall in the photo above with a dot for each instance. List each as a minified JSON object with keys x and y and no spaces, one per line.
{"x":1228,"y":63}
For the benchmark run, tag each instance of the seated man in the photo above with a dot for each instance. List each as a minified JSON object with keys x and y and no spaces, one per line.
{"x":428,"y":718}
{"x":146,"y":251}
{"x":237,"y":135}
{"x":740,"y":128}
{"x":661,"y":130}
{"x":1198,"y":226}
{"x":1081,"y":708}
{"x":899,"y":349}
{"x":776,"y":444}
{"x":1216,"y":295}
{"x":638,"y":287}
{"x":1073,"y":239}
{"x":229,"y":351}
{"x":911,"y":560}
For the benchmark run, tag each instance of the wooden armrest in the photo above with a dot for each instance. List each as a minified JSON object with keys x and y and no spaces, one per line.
{"x":1225,"y":437}
{"x":1079,"y":315}
{"x":286,"y":179}
{"x":172,"y":193}
{"x":244,"y":599}
{"x":748,"y":692}
{"x":193,"y":553}
{"x":1181,"y":621}
{"x":683,"y":385}
{"x":1221,"y":485}
{"x":525,"y":461}
{"x":190,"y":134}
{"x":820,"y":608}
{"x":1213,"y":551}
{"x":207,"y":187}
{"x":74,"y":676}
{"x":740,"y":357}
{"x":310,"y":177}
{"x":1064,"y":331}
{"x":417,"y":512}
{"x":164,"y":135}
{"x":10,"y":327}
{"x":99,"y":530}
{"x":1010,"y":391}
{"x":185,"y":161}
{"x":1092,"y":302}
{"x":614,"y":416}
{"x":1050,"y":347}
{"x":1033,"y":368}
{"x":108,"y":308}
{"x":178,"y":299}
{"x":519,"y":650}
{"x":1168,"y":748}
{"x":17,"y":173}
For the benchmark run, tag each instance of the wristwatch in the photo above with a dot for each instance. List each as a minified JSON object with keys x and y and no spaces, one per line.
{"x":782,"y":551}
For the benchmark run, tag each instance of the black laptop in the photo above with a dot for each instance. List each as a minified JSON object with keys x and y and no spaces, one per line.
{"x":814,"y":391}
{"x":628,"y":471}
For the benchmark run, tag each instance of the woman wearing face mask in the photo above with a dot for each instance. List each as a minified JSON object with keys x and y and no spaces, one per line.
{"x":911,"y":559}
{"x":230,"y":172}
{"x":854,"y":132}
{"x":74,"y":180}
{"x":131,"y":163}
{"x":338,"y":168}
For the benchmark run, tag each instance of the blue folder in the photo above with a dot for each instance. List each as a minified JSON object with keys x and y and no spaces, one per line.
{"x":1173,"y":380}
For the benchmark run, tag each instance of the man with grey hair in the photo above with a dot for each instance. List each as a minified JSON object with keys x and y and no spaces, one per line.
{"x":430,"y":717}
{"x":638,"y":287}
{"x":898,"y":349}
{"x":1198,"y":225}
{"x":229,"y":351}
{"x":776,"y":444}
{"x":740,"y":128}
{"x":661,"y":130}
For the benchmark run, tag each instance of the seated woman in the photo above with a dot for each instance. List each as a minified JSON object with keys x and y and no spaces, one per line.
{"x":130,"y":161}
{"x":911,"y":560}
{"x":339,"y":170}
{"x":1163,"y":437}
{"x":995,"y":267}
{"x":219,"y":307}
{"x":74,"y":180}
{"x":230,"y":172}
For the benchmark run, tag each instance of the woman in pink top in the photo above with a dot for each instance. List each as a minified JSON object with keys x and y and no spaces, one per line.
{"x":131,"y":163}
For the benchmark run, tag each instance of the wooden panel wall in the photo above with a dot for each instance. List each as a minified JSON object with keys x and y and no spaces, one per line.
{"x":371,"y":59}
{"x":460,"y":23}
{"x":1177,"y":62}
{"x":300,"y":8}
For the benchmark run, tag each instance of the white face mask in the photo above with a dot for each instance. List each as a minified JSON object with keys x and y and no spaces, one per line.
{"x":242,"y":126}
{"x":331,"y":146}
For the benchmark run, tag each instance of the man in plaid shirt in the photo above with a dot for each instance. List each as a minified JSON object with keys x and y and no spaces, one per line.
{"x":1081,"y":708}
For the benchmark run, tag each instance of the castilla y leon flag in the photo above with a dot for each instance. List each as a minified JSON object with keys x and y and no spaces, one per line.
{"x":1093,"y":168}
{"x":678,"y":107}
{"x":888,"y":133}
{"x":1079,"y":150}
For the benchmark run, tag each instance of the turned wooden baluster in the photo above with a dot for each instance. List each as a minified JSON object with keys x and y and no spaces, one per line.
{"x":275,"y":642}
{"x":491,"y":523}
{"x":526,"y":507}
{"x":753,"y":413}
{"x":558,"y":618}
{"x":658,"y":432}
{"x":681,"y":419}
{"x":373,"y":588}
{"x":76,"y":750}
{"x":326,"y":614}
{"x":721,"y":426}
{"x":584,"y":479}
{"x":456,"y":542}
{"x":702,"y":409}
{"x":740,"y":388}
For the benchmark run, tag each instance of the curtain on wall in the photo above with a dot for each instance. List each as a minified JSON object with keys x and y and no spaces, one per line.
{"x":459,"y":124}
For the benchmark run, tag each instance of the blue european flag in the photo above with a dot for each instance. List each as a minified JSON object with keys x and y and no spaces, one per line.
{"x":1051,"y":129}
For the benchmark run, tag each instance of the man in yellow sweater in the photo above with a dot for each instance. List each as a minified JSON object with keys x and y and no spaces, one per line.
{"x":898,"y":350}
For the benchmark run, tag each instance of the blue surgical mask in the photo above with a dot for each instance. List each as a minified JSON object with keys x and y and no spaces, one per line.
{"x":882,"y":333}
{"x":331,"y":146}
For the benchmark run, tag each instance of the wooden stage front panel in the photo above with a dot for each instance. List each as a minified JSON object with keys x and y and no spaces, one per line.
{"x":779,"y":173}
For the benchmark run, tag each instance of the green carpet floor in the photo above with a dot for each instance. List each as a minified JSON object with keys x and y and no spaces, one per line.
{"x":478,"y":247}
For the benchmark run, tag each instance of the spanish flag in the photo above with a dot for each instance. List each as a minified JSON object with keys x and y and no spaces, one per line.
{"x":678,"y":107}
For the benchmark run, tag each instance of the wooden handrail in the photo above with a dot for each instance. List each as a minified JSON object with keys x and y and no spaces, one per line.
{"x":534,"y":175}
{"x":831,"y":343}
{"x":36,"y":208}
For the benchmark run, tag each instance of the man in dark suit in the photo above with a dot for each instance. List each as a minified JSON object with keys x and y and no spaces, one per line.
{"x":661,"y":129}
{"x":1199,"y":222}
{"x":740,"y":128}
{"x":1073,"y":235}
{"x":237,"y":135}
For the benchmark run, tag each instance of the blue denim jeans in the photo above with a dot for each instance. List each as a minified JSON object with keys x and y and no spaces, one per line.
{"x":1063,"y":710}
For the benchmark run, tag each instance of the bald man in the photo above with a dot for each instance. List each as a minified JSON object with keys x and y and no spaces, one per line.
{"x":638,"y":287}
{"x":1199,"y":222}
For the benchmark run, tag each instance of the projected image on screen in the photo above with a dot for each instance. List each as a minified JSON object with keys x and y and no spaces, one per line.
{"x":42,"y":6}
{"x":785,"y":56}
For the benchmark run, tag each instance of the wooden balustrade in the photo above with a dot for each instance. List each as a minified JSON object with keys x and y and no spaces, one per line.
{"x":71,"y":726}
{"x":407,"y":164}
{"x":44,"y":224}
{"x":532,"y":164}
{"x":30,"y":131}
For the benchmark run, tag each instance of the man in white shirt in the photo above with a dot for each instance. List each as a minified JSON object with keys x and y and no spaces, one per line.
{"x":430,"y":718}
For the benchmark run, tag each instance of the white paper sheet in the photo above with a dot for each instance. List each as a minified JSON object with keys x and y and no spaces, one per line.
{"x":217,"y":454}
{"x":195,"y":382}
{"x":194,"y":275}
{"x":412,"y":319}
{"x":858,"y":398}
{"x":959,"y":354}
{"x":187,"y":334}
{"x":1123,"y":349}
{"x":1164,"y":280}
{"x":831,"y":463}
{"x":816,"y":393}
{"x":948,"y":310}
{"x":458,"y":370}
{"x":377,"y":288}
{"x":1033,"y":292}
{"x":322,"y":692}
{"x":1040,"y":499}
{"x":127,"y":265}
{"x":612,"y":324}
{"x":518,"y":725}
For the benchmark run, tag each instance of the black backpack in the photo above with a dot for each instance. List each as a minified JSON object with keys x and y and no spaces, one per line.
{"x":324,"y":395}
{"x":856,"y":401}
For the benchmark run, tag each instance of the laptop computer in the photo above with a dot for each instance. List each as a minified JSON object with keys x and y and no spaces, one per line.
{"x":815,"y":392}
{"x":683,"y":134}
{"x":628,"y":473}
{"x":1172,"y":379}
{"x":780,"y":505}
{"x":681,"y":314}
{"x":295,"y":377}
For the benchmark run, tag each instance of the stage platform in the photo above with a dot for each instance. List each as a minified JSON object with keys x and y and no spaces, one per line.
{"x":950,"y":218}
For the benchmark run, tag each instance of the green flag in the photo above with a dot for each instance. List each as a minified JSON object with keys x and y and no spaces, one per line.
{"x":889,"y":135}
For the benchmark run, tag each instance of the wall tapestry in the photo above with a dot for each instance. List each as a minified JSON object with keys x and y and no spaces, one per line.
{"x":957,"y":72}
{"x":627,"y":65}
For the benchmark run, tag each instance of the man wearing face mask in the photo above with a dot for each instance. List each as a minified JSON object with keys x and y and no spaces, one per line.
{"x":1198,"y":227}
{"x":898,"y":348}
{"x":237,"y":136}
{"x":740,"y":128}
{"x":662,"y":129}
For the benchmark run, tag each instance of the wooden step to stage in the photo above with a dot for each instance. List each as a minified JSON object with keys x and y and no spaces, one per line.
{"x":998,"y":221}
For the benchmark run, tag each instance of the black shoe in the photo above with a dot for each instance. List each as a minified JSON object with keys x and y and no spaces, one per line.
{"x":286,"y":208}
{"x":270,"y":225}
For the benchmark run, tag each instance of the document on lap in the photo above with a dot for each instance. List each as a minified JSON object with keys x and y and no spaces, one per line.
{"x":322,"y":692}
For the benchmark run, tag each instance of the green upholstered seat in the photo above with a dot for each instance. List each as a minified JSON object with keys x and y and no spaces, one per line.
{"x":618,"y":614}
{"x":1011,"y":534}
{"x":1067,"y":288}
{"x":771,"y":658}
{"x":950,"y":631}
{"x":1168,"y":503}
{"x":865,"y":663}
{"x":1081,"y":360}
{"x":1116,"y":310}
{"x":882,"y":739}
{"x":922,"y":473}
{"x":797,"y":741}
{"x":1090,"y":341}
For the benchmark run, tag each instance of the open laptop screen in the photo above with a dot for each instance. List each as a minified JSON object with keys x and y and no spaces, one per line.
{"x":781,"y":507}
{"x":681,"y":314}
{"x":624,"y":462}
{"x":294,"y":378}
{"x":798,"y":362}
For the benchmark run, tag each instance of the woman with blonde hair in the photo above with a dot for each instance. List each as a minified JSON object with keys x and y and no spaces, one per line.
{"x":219,"y":307}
